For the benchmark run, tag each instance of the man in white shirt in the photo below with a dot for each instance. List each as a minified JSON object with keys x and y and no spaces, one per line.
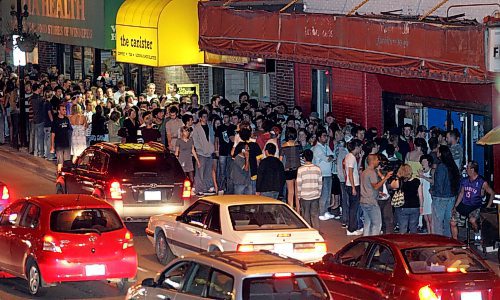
{"x":150,"y":92}
{"x":323,"y":158}
{"x":352,"y":185}
{"x":120,"y":92}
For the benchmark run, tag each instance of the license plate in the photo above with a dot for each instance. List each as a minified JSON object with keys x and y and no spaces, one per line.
{"x":95,"y":270}
{"x":285,"y":249}
{"x":471,"y":296}
{"x":152,"y":195}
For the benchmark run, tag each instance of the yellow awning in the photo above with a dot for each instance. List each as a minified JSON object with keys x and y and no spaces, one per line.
{"x":158,"y":33}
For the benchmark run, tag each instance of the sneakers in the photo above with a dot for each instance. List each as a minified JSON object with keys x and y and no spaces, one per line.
{"x":211,"y":191}
{"x":356,"y":232}
{"x":344,"y":225}
{"x":396,"y":229}
{"x":326,"y":216}
{"x":323,"y":218}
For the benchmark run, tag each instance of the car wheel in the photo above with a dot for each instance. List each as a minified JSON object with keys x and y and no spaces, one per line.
{"x":162,"y":249}
{"x":34,"y":280}
{"x":59,"y":189}
{"x":123,"y":285}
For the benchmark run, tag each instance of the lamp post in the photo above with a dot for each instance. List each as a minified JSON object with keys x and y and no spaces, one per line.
{"x":20,"y":13}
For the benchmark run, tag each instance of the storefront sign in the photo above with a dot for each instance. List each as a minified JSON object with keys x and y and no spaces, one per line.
{"x":137,"y":45}
{"x":493,"y":49}
{"x":73,"y":22}
{"x":186,"y":89}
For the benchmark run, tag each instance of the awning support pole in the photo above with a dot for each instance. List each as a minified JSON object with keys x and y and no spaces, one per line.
{"x":357,"y":7}
{"x":432,"y":10}
{"x":288,"y":5}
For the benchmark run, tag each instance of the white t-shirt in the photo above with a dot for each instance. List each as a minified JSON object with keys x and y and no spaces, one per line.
{"x":350,"y":161}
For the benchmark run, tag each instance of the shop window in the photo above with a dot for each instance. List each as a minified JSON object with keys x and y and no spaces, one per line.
{"x":321,"y":86}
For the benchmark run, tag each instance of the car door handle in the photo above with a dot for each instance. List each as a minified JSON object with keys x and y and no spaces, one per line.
{"x":198,"y":233}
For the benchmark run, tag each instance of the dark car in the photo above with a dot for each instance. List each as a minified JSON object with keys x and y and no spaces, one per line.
{"x":397,"y":266}
{"x":139,"y":180}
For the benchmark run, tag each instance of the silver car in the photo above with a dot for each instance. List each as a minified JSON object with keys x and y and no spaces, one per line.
{"x":233,"y":276}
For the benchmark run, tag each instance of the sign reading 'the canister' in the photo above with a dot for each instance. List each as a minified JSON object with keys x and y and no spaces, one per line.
{"x":137,"y":45}
{"x":494,"y":49}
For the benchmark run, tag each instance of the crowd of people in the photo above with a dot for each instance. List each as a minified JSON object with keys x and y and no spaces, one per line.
{"x":400,"y":180}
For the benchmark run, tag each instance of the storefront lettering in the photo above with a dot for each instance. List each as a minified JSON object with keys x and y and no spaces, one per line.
{"x":113,"y":32}
{"x":57,"y":30}
{"x":392,"y":42}
{"x":61,"y":9}
{"x":312,"y":31}
{"x":136,"y":43}
{"x":496,"y":52}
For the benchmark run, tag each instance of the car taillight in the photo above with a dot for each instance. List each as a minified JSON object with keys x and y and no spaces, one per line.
{"x":310,"y":247}
{"x":147,"y":158}
{"x":50,"y":245}
{"x":283,"y":275}
{"x":250,"y":248}
{"x":186,"y":189}
{"x":5,"y":193}
{"x":129,"y":241}
{"x":115,"y":190}
{"x":426,"y":293}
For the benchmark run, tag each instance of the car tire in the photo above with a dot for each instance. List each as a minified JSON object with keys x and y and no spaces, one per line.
{"x":35,"y":281}
{"x":163,"y":252}
{"x":59,"y":189}
{"x":123,"y":285}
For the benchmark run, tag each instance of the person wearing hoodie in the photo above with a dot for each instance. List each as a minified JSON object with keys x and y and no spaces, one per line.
{"x":203,"y":138}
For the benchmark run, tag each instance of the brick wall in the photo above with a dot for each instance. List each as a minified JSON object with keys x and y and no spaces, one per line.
{"x":183,"y":75}
{"x":303,"y":87}
{"x":47,"y":55}
{"x":282,"y":84}
{"x":409,"y":7}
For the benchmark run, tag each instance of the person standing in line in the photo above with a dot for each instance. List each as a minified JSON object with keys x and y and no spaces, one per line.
{"x":352,"y":185}
{"x":37,"y":106}
{"x":173,"y":127}
{"x":113,"y":125}
{"x":270,"y":174}
{"x":47,"y":124}
{"x":79,"y":124}
{"x":185,"y":152}
{"x":426,"y":180}
{"x":224,"y":139}
{"x":340,"y":153}
{"x":290,"y":156}
{"x":323,"y":157}
{"x":309,"y":187}
{"x":413,"y":199}
{"x":370,"y":186}
{"x":240,"y":170}
{"x":457,"y":151}
{"x":203,"y":138}
{"x":444,"y":191}
{"x":60,"y":141}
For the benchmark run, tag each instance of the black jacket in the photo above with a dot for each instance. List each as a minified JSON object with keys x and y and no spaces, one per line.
{"x":270,"y":175}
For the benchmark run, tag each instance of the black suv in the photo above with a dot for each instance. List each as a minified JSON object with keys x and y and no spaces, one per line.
{"x":139,"y":180}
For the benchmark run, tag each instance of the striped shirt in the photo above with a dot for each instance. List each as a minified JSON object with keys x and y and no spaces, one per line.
{"x":309,"y":182}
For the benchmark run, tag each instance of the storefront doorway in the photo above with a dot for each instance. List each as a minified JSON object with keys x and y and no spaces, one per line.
{"x":321,"y":91}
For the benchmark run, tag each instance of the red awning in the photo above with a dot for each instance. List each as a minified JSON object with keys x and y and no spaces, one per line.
{"x":393,"y":47}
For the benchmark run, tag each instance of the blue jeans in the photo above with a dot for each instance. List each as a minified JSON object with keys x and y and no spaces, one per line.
{"x":203,"y":177}
{"x":39,"y":139}
{"x":345,"y":203}
{"x":408,"y":219}
{"x":324,"y":199}
{"x":223,"y":170}
{"x":441,"y":215}
{"x":243,"y":189}
{"x":273,"y":195}
{"x":373,"y":219}
{"x":354,"y":223}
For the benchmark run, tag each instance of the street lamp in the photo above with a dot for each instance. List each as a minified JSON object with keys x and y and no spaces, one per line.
{"x":21,"y":13}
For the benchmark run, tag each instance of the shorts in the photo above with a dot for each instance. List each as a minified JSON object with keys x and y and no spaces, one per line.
{"x":291,"y":174}
{"x":463,"y":211}
{"x":336,"y":185}
{"x":63,"y":154}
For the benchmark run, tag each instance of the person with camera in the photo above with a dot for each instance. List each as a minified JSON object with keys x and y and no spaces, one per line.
{"x":409,"y":212}
{"x":470,"y":199}
{"x":370,"y":185}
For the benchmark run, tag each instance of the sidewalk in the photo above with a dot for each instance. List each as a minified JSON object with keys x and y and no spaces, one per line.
{"x":28,"y":162}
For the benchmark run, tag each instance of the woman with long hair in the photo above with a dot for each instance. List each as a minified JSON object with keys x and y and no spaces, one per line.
{"x":99,"y":129}
{"x":444,"y":191}
{"x":409,"y":213}
{"x":290,"y":156}
{"x":79,"y":124}
{"x":132,"y":125}
{"x":185,"y":152}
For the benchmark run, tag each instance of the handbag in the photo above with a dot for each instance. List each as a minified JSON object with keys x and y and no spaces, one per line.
{"x":398,"y":199}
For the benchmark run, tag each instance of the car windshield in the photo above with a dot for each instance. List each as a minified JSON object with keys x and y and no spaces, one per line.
{"x":442,"y":260}
{"x":291,"y":287}
{"x":97,"y":220}
{"x":151,"y":165}
{"x":264,"y":216}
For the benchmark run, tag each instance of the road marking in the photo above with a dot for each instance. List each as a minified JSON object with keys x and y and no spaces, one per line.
{"x":143,"y":270}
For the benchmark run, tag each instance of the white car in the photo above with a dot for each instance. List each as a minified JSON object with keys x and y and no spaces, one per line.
{"x":235,"y":223}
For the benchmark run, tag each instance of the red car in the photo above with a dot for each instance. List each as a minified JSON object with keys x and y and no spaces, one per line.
{"x":4,"y":195}
{"x":59,"y":238}
{"x":410,"y":267}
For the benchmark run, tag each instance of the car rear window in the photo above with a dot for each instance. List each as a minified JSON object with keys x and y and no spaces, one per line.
{"x":291,"y":287}
{"x":150,"y":165}
{"x":85,"y":220}
{"x":442,"y":260}
{"x":264,"y":216}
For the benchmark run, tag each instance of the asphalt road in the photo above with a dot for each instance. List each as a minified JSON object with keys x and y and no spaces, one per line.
{"x":29,"y":176}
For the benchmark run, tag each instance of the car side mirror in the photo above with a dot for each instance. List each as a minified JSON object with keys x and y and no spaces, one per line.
{"x":328,"y":258}
{"x":183,"y":218}
{"x":149,"y":282}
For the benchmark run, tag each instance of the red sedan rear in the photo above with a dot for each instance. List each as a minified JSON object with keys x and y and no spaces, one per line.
{"x":419,"y":267}
{"x":61,"y":238}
